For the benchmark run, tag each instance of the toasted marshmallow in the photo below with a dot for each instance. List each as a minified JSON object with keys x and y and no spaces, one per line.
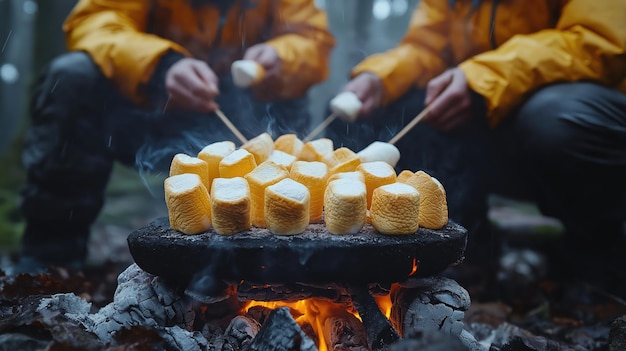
{"x":188,"y":203}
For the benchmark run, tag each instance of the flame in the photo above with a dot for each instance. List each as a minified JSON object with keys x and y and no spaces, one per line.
{"x":384,"y":303}
{"x":311,"y":311}
{"x":414,"y":269}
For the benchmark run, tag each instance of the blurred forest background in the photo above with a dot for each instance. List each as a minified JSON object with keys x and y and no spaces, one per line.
{"x":31,"y":35}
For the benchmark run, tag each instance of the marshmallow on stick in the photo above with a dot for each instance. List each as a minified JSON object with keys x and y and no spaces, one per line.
{"x":380,"y":151}
{"x":346,"y":105}
{"x":246,"y":73}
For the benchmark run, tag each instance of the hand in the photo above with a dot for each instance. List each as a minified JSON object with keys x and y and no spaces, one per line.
{"x":192,"y":85}
{"x":450,"y":100}
{"x":368,"y":87}
{"x":268,"y":58}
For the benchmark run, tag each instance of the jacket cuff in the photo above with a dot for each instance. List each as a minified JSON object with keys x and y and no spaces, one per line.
{"x":155,"y":90}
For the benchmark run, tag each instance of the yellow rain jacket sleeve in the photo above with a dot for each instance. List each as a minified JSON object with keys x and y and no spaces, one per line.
{"x":114,"y":33}
{"x":588,"y":43}
{"x":303,"y":43}
{"x":420,"y":56}
{"x":562,"y":41}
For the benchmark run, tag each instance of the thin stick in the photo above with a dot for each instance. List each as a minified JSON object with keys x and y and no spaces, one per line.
{"x":411,"y":124}
{"x":321,"y":127}
{"x":230,"y":126}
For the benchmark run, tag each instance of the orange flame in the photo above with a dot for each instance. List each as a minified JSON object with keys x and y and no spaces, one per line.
{"x":414,"y":269}
{"x":311,"y":311}
{"x":384,"y":303}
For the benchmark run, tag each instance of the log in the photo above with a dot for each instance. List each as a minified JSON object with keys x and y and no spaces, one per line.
{"x":241,"y":331}
{"x":281,"y":332}
{"x":432,"y":308}
{"x":344,"y":332}
{"x":380,"y":332}
{"x":292,"y":292}
{"x":262,"y":313}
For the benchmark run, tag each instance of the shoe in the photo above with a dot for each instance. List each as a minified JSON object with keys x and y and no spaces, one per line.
{"x":43,"y":248}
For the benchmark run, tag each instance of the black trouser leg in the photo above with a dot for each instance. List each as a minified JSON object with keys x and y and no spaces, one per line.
{"x":66,"y":158}
{"x":81,"y":125}
{"x":572,"y":138}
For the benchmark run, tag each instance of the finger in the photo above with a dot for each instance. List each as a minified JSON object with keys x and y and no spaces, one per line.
{"x":369,"y":105}
{"x":443,"y":105}
{"x":436,"y":86}
{"x":454,"y":91}
{"x":455,"y":115}
{"x":207,"y":76}
{"x":213,"y":106}
{"x":266,"y":57}
{"x":252,"y":53}
{"x":456,"y":121}
{"x":183,"y":99}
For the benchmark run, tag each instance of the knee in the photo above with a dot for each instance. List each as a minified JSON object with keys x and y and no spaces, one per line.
{"x":545,"y":123}
{"x":70,"y":72}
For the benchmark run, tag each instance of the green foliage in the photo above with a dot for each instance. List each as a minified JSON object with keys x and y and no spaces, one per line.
{"x":11,"y":179}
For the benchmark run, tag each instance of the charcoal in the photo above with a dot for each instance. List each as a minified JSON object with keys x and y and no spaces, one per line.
{"x":281,"y":332}
{"x":343,"y":331}
{"x":142,"y":299}
{"x":617,"y":334}
{"x":518,"y":343}
{"x":241,"y":331}
{"x":439,"y":343}
{"x":428,"y":307}
{"x":180,"y":339}
{"x":380,"y":332}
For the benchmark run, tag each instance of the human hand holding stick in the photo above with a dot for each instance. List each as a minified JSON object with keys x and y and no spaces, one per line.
{"x":345,"y":105}
{"x":448,"y":103}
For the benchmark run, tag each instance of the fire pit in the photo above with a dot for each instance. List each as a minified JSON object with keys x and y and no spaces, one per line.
{"x":257,"y":265}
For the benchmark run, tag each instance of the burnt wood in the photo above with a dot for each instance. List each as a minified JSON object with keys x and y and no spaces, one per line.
{"x":378,"y":329}
{"x":281,"y":332}
{"x":315,"y":256}
{"x":343,"y":331}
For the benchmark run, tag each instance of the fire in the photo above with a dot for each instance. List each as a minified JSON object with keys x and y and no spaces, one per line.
{"x":384,"y":303}
{"x":414,"y":269}
{"x":310,"y":311}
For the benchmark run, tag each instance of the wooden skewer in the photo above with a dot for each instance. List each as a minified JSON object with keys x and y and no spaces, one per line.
{"x":320,"y":127}
{"x":231,"y":126}
{"x":411,"y":124}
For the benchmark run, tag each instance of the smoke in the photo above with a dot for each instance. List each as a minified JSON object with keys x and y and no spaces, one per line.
{"x":171,"y":132}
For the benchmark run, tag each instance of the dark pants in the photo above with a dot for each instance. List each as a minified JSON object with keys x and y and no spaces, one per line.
{"x":564,"y":148}
{"x":81,"y":125}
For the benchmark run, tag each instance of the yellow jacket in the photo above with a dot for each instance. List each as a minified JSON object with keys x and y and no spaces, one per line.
{"x":127,"y":38}
{"x":507,"y":48}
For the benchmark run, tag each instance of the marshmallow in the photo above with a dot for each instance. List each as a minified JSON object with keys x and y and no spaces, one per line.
{"x":346,"y":105}
{"x":246,"y":73}
{"x":380,"y":151}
